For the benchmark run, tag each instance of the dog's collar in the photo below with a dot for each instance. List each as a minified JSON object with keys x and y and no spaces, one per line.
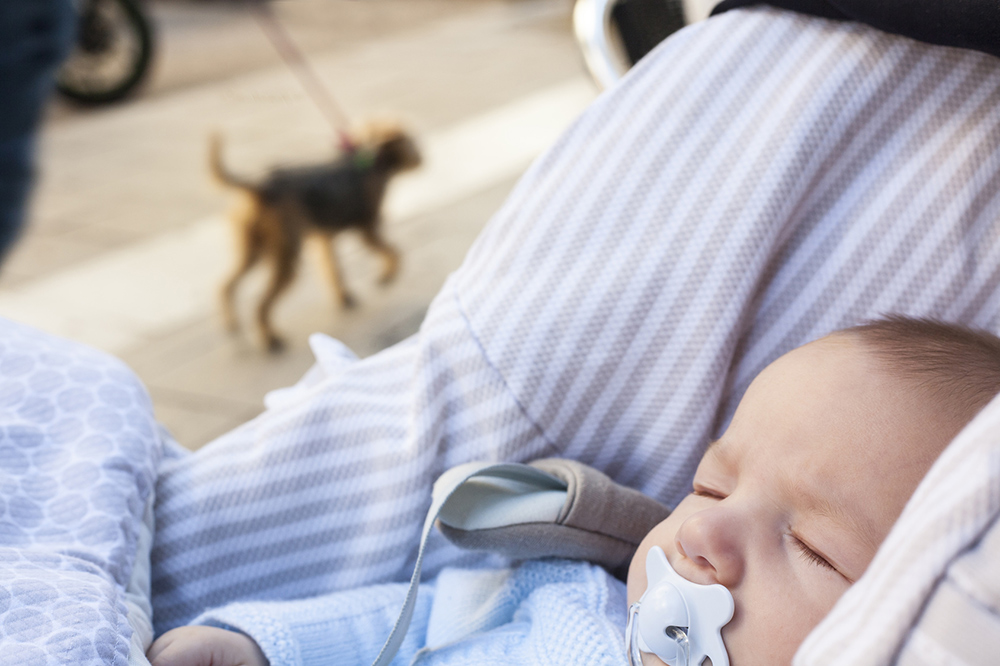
{"x":363,"y":158}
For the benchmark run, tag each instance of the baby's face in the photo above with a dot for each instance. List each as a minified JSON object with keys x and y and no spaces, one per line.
{"x":790,"y":505}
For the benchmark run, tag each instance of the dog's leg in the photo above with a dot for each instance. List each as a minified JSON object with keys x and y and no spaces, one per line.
{"x":283,"y":263}
{"x":248,"y":249}
{"x":331,"y":269}
{"x":390,"y":256}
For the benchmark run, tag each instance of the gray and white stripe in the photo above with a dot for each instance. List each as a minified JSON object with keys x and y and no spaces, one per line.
{"x":759,"y":180}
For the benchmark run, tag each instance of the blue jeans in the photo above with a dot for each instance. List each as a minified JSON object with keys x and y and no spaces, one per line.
{"x":35,"y":35}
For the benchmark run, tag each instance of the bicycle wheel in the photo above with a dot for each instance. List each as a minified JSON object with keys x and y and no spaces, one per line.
{"x":113,"y":50}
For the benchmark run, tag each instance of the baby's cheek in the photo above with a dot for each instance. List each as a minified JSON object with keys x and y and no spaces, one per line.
{"x":771,"y":621}
{"x":636,"y":581}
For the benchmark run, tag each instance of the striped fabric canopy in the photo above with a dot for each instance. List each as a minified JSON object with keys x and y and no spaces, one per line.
{"x":761,"y":179}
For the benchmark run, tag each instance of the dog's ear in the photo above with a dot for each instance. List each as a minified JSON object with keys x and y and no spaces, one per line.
{"x":398,"y":153}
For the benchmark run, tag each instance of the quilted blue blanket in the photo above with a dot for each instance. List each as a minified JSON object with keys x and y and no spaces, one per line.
{"x":79,"y":450}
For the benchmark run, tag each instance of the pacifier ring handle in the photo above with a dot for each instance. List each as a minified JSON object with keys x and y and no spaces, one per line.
{"x":676,"y":634}
{"x":680,"y":636}
{"x":632,"y":636}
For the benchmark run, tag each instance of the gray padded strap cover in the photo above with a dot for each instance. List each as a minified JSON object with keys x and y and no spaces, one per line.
{"x":600,"y":521}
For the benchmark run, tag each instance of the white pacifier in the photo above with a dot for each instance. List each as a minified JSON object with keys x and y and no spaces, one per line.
{"x":677,"y":620}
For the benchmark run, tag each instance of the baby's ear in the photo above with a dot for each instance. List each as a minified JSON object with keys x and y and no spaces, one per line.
{"x":600,"y":521}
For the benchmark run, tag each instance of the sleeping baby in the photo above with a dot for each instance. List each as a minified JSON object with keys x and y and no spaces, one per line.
{"x":787,"y":510}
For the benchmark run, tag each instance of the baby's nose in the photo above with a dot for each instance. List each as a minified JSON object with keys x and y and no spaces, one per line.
{"x":712,"y":546}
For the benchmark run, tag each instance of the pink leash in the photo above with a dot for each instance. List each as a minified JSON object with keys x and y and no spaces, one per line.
{"x":296,"y":61}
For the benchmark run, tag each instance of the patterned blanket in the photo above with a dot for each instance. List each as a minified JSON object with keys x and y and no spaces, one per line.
{"x":79,"y":451}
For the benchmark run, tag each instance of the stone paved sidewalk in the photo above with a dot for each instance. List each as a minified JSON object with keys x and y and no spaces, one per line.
{"x":128,"y":239}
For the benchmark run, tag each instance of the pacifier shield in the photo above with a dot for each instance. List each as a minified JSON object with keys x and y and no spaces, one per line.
{"x":672,"y":603}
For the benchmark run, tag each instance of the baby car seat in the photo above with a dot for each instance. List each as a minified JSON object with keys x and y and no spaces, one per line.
{"x":759,"y":179}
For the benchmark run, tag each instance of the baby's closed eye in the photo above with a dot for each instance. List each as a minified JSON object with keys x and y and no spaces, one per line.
{"x":811,"y":555}
{"x":703,"y":491}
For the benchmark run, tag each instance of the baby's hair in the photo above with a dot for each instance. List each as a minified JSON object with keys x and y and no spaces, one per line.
{"x":953,"y":364}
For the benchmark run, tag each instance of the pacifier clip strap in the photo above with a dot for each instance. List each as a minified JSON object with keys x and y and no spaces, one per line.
{"x":444,"y":488}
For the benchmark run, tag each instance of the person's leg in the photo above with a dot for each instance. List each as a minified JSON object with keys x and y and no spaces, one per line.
{"x":35,"y":35}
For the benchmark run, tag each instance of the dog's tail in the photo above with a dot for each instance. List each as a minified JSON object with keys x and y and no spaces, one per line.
{"x":220,"y":174}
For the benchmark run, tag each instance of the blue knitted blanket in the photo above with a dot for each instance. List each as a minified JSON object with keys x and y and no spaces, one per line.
{"x":540,"y":613}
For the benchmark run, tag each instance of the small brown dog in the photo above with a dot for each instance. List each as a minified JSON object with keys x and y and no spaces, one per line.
{"x":291,"y":204}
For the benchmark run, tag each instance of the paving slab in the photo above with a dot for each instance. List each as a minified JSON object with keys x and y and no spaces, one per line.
{"x":128,"y":240}
{"x":138,"y":170}
{"x":211,"y":40}
{"x":204,"y":383}
{"x":118,"y":299}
